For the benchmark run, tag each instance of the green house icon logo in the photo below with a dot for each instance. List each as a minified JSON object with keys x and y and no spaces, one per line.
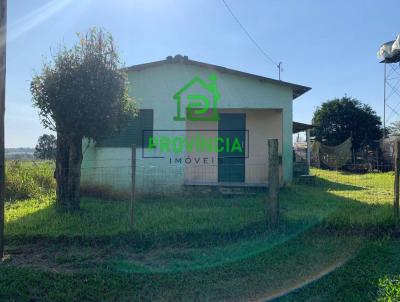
{"x":193,"y":105}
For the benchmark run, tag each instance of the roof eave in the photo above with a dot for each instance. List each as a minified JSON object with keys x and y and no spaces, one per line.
{"x":298,"y":90}
{"x":300,"y":127}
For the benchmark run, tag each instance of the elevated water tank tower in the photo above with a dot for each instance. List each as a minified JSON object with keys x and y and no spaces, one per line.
{"x":389,"y":53}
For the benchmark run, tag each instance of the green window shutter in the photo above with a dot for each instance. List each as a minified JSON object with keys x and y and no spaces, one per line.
{"x":133,"y":132}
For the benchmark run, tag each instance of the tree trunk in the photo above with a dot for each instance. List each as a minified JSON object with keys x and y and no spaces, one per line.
{"x":68,"y":172}
{"x":61,"y":173}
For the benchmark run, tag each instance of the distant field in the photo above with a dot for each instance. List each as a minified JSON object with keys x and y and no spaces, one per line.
{"x":19,"y":153}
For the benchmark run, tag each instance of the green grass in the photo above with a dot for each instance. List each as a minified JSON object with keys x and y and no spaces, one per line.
{"x":244,"y":279}
{"x":333,"y":244}
{"x":389,"y":289}
{"x":361,"y":279}
{"x":29,"y":179}
{"x":339,"y":200}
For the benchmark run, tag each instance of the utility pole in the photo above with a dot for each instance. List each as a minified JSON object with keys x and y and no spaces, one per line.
{"x":3,"y":42}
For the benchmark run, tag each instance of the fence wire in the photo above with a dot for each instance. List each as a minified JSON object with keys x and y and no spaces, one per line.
{"x":178,"y":209}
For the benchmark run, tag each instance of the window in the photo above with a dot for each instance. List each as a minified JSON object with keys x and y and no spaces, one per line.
{"x":133,"y":132}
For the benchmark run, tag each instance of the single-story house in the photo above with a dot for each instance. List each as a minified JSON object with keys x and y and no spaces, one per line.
{"x":198,"y":124}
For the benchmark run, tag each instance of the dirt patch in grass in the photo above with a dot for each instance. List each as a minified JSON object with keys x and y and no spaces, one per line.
{"x":55,"y":258}
{"x":69,"y":257}
{"x":269,"y":273}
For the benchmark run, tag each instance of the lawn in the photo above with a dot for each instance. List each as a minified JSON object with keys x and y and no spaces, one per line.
{"x":335,"y":242}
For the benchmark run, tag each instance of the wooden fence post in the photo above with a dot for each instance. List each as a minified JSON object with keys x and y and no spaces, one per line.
{"x":133,"y":179}
{"x":308,"y":151}
{"x":396,"y":177}
{"x":273,"y":182}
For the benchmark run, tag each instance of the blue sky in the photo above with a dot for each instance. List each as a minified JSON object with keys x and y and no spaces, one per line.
{"x":328,"y":45}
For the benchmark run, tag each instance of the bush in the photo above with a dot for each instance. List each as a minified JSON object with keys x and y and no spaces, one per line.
{"x":27,"y":179}
{"x":389,"y":290}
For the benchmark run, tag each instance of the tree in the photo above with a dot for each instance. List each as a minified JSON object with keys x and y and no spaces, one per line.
{"x":82,"y":93}
{"x":394,"y":129}
{"x":338,"y":119}
{"x":46,"y":147}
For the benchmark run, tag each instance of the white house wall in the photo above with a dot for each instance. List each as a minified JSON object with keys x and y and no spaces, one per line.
{"x":154,"y":87}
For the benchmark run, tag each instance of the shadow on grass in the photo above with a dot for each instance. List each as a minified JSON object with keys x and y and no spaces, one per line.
{"x":251,"y":279}
{"x":329,"y":184}
{"x":358,"y":279}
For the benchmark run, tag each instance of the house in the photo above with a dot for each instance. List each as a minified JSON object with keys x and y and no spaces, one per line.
{"x":198,"y":125}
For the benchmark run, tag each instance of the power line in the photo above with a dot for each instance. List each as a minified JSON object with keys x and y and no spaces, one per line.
{"x":278,"y":65}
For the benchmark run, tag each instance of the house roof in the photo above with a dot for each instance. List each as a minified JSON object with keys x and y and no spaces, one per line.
{"x":298,"y":90}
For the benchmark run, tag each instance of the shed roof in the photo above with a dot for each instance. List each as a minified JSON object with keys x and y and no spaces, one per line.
{"x":298,"y":90}
{"x":300,"y":127}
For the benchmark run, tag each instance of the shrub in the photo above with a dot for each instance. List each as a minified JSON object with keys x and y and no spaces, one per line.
{"x":27,"y":179}
{"x":389,"y":290}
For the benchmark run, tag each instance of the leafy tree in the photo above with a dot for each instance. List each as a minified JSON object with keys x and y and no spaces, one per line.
{"x":82,"y":93}
{"x":46,"y":147}
{"x":394,"y":129}
{"x":338,"y":119}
